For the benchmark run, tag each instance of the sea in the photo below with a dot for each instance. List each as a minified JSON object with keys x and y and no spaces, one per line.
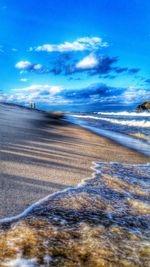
{"x":102,"y":222}
{"x":131,"y":129}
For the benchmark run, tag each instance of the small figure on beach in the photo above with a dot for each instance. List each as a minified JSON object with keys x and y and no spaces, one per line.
{"x":33,"y":105}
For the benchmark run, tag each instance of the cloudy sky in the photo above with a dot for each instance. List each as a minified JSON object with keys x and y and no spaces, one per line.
{"x":83,"y":55}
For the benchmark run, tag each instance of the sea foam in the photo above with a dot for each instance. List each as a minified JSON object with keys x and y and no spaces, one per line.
{"x":105,"y":221}
{"x":133,"y":123}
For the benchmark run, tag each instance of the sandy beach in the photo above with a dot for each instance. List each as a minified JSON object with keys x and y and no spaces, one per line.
{"x":40,"y":155}
{"x":74,"y":133}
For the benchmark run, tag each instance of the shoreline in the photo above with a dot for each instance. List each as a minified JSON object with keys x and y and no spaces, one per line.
{"x":64,"y":143}
{"x":126,"y":140}
{"x":28,"y":211}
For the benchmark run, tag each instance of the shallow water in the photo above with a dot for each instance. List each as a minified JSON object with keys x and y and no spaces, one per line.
{"x":105,"y":221}
{"x":130,"y":129}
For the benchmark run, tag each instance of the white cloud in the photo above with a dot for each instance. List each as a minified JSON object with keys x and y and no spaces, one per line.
{"x":2,"y":98}
{"x":87,"y":62}
{"x":46,"y":89}
{"x":22,"y":72}
{"x":46,"y":94}
{"x":28,"y":65}
{"x":81,"y":44}
{"x":37,"y":66}
{"x":56,"y":89}
{"x":24,"y":80}
{"x":133,"y":95}
{"x":23,"y":64}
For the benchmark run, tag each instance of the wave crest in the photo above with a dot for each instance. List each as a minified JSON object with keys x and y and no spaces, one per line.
{"x":125,"y":113}
{"x":133,"y":123}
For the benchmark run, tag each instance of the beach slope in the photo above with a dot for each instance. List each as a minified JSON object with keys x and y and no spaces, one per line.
{"x":40,"y":155}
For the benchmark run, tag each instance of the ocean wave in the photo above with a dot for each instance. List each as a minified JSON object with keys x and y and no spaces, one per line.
{"x":125,"y":113}
{"x":132,"y":123}
{"x":118,"y":136}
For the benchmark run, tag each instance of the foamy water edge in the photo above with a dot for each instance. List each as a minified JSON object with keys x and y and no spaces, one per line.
{"x":41,"y":201}
{"x":120,"y":138}
{"x":96,"y":170}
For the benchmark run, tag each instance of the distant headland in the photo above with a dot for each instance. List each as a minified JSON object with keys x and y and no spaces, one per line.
{"x":143,"y":107}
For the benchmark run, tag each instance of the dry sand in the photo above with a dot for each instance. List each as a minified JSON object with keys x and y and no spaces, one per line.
{"x":39,"y":156}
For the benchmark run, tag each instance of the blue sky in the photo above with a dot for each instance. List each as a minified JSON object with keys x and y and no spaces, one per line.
{"x":78,"y":55}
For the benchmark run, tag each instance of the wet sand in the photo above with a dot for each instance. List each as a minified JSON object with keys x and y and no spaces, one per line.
{"x":40,"y":155}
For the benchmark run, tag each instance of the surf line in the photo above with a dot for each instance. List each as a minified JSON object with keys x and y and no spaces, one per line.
{"x":28,"y":210}
{"x":96,"y":170}
{"x":120,"y":138}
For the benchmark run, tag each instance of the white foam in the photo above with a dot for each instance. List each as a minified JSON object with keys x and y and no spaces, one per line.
{"x":83,"y":182}
{"x":20,"y":262}
{"x":132,"y":123}
{"x":123,"y":139}
{"x":41,"y":201}
{"x":30,"y":208}
{"x":125,"y":113}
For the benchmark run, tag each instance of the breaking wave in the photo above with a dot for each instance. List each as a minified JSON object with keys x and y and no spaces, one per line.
{"x":133,"y":123}
{"x":125,"y":113}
